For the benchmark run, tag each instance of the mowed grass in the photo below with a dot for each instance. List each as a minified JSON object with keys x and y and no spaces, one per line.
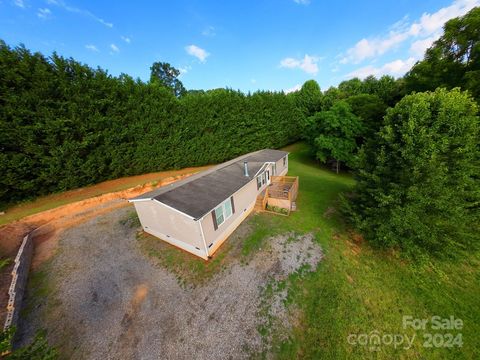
{"x":355,"y":290}
{"x":360,"y":290}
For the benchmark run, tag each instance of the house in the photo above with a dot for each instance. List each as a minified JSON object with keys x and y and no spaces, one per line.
{"x":198,"y":213}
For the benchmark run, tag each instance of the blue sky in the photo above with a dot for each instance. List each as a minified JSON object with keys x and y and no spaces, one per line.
{"x":246,"y":45}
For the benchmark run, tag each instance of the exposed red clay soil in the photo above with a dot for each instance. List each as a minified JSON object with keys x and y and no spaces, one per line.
{"x":47,"y":202}
{"x":49,"y":224}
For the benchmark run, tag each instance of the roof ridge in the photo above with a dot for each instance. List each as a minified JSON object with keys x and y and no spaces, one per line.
{"x":221,"y":176}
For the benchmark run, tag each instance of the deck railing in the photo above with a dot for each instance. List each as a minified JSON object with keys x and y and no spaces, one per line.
{"x":265,"y":199}
{"x":283,"y":187}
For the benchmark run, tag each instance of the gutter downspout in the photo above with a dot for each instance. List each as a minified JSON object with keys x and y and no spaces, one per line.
{"x":203,"y":238}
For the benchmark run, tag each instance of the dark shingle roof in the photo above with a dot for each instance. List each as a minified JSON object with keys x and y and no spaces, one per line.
{"x":200,"y":193}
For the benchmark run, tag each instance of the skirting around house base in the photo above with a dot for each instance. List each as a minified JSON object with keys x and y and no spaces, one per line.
{"x":224,"y":236}
{"x":178,"y":243}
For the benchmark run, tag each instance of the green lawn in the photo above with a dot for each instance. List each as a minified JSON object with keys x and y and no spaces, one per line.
{"x":360,"y":290}
{"x":355,"y":290}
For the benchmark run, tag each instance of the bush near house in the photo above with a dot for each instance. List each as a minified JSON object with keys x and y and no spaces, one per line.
{"x":277,"y":209}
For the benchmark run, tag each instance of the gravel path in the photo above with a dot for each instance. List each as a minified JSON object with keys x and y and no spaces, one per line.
{"x":108,"y":301}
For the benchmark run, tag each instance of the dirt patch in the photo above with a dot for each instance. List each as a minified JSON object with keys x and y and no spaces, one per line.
{"x":111,"y":302}
{"x":140,"y":294}
{"x":51,"y":223}
{"x":189,"y":270}
{"x":50,"y":201}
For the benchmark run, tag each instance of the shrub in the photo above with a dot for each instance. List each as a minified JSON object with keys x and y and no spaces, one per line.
{"x":418,"y":185}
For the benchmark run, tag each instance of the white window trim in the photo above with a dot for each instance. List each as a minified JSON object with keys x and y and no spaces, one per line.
{"x":225,"y":218}
{"x":260,"y":176}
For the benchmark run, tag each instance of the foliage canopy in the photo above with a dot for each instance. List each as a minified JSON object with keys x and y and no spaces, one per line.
{"x":417,"y":185}
{"x":65,"y":125}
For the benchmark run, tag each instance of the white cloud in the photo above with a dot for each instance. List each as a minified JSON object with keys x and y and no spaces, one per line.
{"x":428,"y":27}
{"x":253,"y":81}
{"x":370,"y":48}
{"x":394,"y":68}
{"x":126,"y":39}
{"x":209,"y":31}
{"x":19,"y":3}
{"x":302,"y":2}
{"x":198,"y":52}
{"x":184,"y":70}
{"x":292,"y":89}
{"x":66,"y":7}
{"x":307,"y":64}
{"x":114,"y":48}
{"x":92,"y":48}
{"x":44,"y":13}
{"x":417,"y":49}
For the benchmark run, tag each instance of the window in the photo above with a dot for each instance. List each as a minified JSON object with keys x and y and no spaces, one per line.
{"x":262,"y":179}
{"x":228,"y":209}
{"x":284,"y":161}
{"x":274,"y":169}
{"x":219,"y":215}
{"x":222,"y":212}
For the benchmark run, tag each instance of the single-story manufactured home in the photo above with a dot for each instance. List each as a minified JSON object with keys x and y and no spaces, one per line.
{"x":198,"y":213}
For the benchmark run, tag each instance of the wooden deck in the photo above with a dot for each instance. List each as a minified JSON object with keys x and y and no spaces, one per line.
{"x":281,"y":192}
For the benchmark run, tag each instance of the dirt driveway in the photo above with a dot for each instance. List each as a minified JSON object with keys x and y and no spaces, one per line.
{"x":106,"y":300}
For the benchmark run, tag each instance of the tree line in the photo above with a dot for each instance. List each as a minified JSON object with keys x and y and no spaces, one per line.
{"x":411,"y":143}
{"x":65,"y":125}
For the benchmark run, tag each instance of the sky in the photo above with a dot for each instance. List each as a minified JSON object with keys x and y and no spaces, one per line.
{"x":246,"y":45}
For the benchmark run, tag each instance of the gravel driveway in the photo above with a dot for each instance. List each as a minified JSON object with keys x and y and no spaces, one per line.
{"x":107,"y":301}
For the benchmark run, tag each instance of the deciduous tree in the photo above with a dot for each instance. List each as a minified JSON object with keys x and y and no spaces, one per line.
{"x":417,"y":184}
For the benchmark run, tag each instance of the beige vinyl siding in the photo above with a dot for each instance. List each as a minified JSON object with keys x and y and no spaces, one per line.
{"x":281,"y":169}
{"x":200,"y":237}
{"x":244,"y":201}
{"x":171,"y":226}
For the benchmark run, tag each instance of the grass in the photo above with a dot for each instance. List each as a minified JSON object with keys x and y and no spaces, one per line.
{"x":189,"y":270}
{"x":19,"y":211}
{"x":355,"y":290}
{"x":131,"y":220}
{"x":4,"y":262}
{"x":39,"y":288}
{"x":360,"y":290}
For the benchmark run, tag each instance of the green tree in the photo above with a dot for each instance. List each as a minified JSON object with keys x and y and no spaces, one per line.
{"x":351,"y":87}
{"x":64,"y":125}
{"x":370,"y":109}
{"x":417,"y":184}
{"x":337,"y":130}
{"x":331,"y":96}
{"x":453,"y":60}
{"x":166,"y":75}
{"x":309,"y":98}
